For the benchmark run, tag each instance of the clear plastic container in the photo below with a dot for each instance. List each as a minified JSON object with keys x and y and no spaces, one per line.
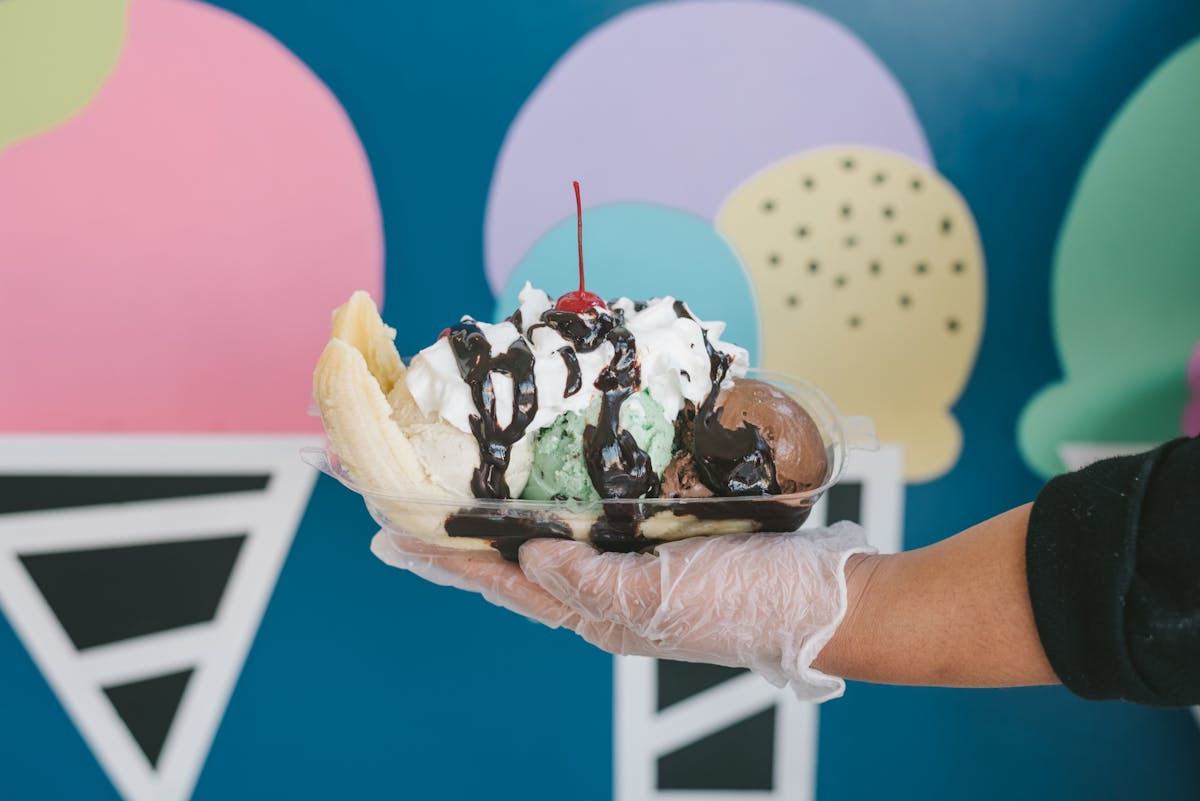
{"x":620,"y":524}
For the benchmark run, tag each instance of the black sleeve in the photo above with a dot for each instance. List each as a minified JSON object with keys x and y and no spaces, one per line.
{"x":1113,"y":562}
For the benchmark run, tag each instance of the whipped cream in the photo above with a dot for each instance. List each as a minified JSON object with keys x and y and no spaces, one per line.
{"x":674,"y":363}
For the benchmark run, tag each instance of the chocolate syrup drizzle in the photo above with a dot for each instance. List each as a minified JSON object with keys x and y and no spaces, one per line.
{"x":476,"y":364}
{"x":574,"y":376}
{"x":506,"y":531}
{"x":618,"y":467}
{"x":730,"y":461}
{"x":586,"y":331}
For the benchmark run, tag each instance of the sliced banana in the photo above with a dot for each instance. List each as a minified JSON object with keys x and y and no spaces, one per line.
{"x":353,"y":377}
{"x":358,"y":323}
{"x":358,"y":420}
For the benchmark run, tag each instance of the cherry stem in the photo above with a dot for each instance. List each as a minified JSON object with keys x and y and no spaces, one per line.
{"x":579,"y":231}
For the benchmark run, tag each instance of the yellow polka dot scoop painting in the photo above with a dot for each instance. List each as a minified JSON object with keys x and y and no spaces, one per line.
{"x":870,"y":282}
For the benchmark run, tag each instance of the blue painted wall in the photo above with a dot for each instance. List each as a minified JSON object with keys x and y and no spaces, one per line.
{"x":365,"y":682}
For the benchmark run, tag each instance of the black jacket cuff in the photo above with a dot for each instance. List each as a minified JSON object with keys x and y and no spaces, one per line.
{"x":1113,"y":564}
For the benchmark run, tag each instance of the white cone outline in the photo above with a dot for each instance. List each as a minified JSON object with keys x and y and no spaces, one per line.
{"x":642,"y":733}
{"x":216,"y":650}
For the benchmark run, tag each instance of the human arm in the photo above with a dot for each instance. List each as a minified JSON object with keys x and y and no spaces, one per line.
{"x":768,"y":602}
{"x":1097,"y":583}
{"x":955,"y":613}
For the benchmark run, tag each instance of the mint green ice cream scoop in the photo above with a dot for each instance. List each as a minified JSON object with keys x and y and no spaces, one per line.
{"x":559,"y":468}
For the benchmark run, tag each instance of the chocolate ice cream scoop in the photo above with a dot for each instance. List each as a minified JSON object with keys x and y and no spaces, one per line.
{"x":797,"y":447}
{"x":681,"y":479}
{"x":796,"y":444}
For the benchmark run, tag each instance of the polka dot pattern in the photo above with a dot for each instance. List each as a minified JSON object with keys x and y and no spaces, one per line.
{"x":885,"y":255}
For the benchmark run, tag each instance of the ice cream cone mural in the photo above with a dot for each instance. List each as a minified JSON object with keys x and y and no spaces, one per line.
{"x":869,"y":276}
{"x":170,"y":254}
{"x":56,"y":54}
{"x":1126,"y":290}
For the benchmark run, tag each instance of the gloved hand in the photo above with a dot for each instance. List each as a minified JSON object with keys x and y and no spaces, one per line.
{"x":768,"y":602}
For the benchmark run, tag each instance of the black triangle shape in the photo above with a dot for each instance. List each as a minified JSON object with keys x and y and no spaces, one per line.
{"x":148,"y":708}
{"x":738,"y":757}
{"x":108,"y":594}
{"x":678,"y":681}
{"x":844,"y":502}
{"x":29,"y":493}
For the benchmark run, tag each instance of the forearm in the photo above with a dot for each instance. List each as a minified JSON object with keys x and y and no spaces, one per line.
{"x":956,"y":613}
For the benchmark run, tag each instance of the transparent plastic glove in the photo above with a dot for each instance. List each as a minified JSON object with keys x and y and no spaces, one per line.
{"x":503,"y":584}
{"x":768,"y":602}
{"x":498,"y":581}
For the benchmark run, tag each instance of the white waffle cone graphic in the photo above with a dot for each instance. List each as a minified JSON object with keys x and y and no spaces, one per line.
{"x":670,"y":726}
{"x":148,"y":703}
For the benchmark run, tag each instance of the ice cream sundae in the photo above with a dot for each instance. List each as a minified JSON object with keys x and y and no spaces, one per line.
{"x":622,"y":422}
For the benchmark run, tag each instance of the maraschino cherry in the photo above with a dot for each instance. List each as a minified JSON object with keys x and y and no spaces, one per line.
{"x":580,"y":300}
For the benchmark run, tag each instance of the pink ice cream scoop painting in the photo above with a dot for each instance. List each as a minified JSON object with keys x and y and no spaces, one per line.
{"x":168,"y":259}
{"x":170,"y":254}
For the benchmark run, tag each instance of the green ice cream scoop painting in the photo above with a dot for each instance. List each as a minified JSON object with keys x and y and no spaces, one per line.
{"x":1126,"y":286}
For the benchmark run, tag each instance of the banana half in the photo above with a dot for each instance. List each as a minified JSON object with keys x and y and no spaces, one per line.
{"x":358,"y":371}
